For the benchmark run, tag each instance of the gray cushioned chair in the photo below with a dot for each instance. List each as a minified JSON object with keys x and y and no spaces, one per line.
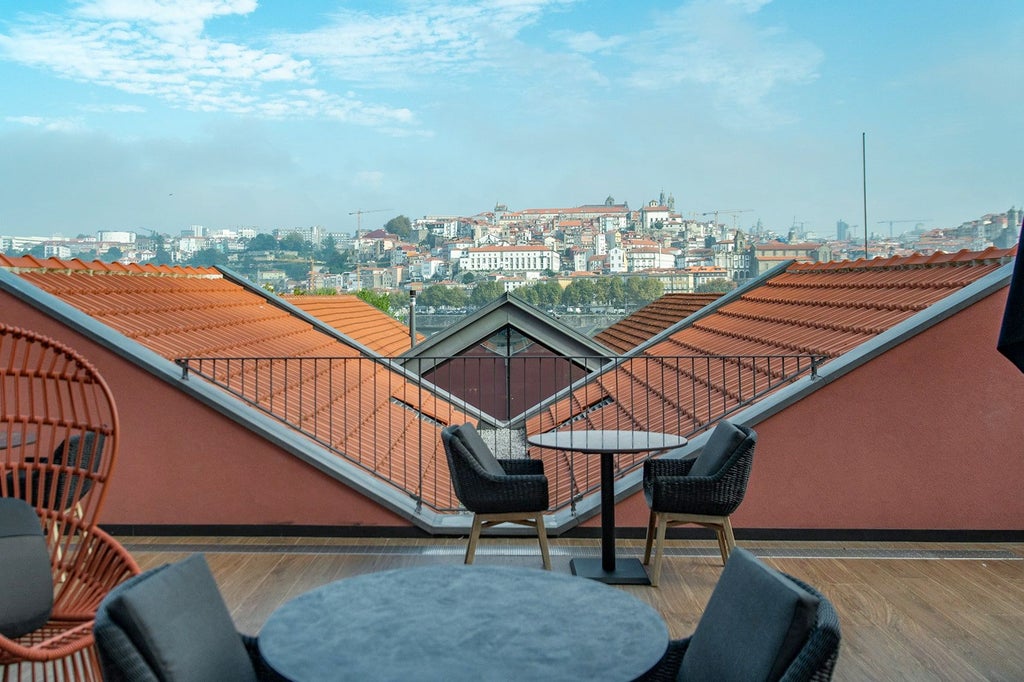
{"x":496,"y":491}
{"x":170,"y":623}
{"x":26,"y":599}
{"x":759,"y":624}
{"x":704,"y":491}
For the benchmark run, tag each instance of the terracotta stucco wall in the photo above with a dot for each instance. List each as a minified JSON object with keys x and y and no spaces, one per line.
{"x":929,"y":435}
{"x":182,"y":463}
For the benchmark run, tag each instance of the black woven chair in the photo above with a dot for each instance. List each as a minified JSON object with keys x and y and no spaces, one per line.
{"x":496,"y":490}
{"x":759,"y":624}
{"x":703,"y":491}
{"x":170,"y":623}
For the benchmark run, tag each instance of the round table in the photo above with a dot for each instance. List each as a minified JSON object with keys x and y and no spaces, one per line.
{"x":464,"y":623}
{"x":608,"y":444}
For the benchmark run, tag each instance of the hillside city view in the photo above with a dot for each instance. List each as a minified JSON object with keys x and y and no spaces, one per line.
{"x":605,"y":258}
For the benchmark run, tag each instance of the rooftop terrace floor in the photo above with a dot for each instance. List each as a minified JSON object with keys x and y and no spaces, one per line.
{"x":908,"y":611}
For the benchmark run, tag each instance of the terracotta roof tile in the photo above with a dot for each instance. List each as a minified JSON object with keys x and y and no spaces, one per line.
{"x":197,"y":313}
{"x":358,"y":320}
{"x":652,"y":319}
{"x":824,"y":309}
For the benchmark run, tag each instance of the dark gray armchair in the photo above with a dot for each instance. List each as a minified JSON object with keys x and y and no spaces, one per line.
{"x":170,"y":623}
{"x":760,"y":624}
{"x":495,"y":490}
{"x":704,"y":491}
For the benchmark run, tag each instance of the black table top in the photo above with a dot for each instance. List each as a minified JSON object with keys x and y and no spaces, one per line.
{"x":604,"y":442}
{"x":457,"y":622}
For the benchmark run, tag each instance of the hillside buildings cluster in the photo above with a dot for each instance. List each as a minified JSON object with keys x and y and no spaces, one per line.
{"x":520,"y":247}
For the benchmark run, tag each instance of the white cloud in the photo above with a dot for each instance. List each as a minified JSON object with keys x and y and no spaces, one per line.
{"x":724,"y":48}
{"x":64,"y":125}
{"x":157,"y":49}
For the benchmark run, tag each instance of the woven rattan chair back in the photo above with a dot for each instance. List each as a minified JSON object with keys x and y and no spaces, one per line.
{"x":58,"y":446}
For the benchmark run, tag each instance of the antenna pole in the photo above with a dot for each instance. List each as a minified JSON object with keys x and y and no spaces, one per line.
{"x":864,"y":178}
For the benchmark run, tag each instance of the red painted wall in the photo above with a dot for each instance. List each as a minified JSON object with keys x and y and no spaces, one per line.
{"x":182,"y":463}
{"x":928,"y":436}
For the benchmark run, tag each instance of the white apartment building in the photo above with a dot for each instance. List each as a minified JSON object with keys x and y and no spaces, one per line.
{"x":648,"y":258}
{"x":510,"y":259}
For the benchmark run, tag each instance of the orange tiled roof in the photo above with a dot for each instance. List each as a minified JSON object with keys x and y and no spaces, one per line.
{"x":197,"y":313}
{"x":358,"y":320}
{"x":811,"y":308}
{"x":651,"y":320}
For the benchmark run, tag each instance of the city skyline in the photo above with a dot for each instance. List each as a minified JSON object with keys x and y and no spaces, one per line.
{"x":140,"y":114}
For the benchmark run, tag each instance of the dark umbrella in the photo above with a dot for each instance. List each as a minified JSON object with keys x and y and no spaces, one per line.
{"x":1011,"y":334}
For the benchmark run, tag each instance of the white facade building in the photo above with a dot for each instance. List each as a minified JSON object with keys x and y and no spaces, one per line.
{"x":510,"y":259}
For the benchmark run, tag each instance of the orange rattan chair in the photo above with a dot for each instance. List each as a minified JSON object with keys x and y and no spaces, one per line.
{"x":58,"y":445}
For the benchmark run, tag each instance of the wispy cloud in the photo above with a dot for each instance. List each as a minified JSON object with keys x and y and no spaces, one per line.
{"x":724,"y":47}
{"x":398,"y":48}
{"x":158,"y":49}
{"x":64,"y":125}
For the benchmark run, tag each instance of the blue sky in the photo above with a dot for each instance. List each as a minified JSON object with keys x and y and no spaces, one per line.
{"x":152,"y":114}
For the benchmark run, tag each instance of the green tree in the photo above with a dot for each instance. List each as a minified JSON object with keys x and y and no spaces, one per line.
{"x":262,"y":242}
{"x":293,"y":241}
{"x":616,"y":291}
{"x":112,"y":254}
{"x":377,"y":299}
{"x":580,"y":292}
{"x":641,"y":290}
{"x":719,"y":285}
{"x":204,"y":258}
{"x":399,"y":225}
{"x":485,"y":292}
{"x":440,"y":296}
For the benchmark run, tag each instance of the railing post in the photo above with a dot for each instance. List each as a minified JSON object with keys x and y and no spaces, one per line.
{"x":183,"y":363}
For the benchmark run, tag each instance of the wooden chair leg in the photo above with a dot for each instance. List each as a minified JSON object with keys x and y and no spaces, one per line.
{"x":650,"y":538}
{"x":474,"y":536}
{"x":542,"y":537}
{"x":730,"y":541}
{"x":659,"y":550}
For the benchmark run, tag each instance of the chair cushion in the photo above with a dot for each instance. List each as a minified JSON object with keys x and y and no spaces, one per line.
{"x":475,"y":444}
{"x":755,"y":624}
{"x":26,"y":599}
{"x":179,"y":622}
{"x":716,"y":452}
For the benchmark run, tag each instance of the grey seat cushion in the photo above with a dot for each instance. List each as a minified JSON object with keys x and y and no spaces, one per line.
{"x":716,"y":452}
{"x":180,"y":624}
{"x":755,"y":624}
{"x":475,"y":444}
{"x":26,"y":599}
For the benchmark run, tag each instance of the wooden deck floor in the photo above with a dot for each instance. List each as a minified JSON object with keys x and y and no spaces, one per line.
{"x":908,"y":611}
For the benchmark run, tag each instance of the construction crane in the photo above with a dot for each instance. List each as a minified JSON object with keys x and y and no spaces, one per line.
{"x":893,"y":222}
{"x":359,"y":217}
{"x":727,"y":211}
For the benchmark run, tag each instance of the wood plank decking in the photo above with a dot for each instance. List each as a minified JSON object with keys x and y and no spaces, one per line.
{"x":909,"y":611}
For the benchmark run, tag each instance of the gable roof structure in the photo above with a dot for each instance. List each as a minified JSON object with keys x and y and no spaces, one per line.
{"x":358,"y":320}
{"x":210,"y":319}
{"x":842,"y":313}
{"x":652,"y":319}
{"x":847,"y":313}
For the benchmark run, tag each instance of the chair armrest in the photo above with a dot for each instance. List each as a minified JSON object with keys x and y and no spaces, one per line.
{"x":522,"y":466}
{"x":99,"y":564}
{"x":668,"y":467}
{"x":667,"y":669}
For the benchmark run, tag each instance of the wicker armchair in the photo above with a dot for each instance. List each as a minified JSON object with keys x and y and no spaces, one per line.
{"x":752,"y":613}
{"x":58,"y":446}
{"x":496,"y":490}
{"x":704,"y":491}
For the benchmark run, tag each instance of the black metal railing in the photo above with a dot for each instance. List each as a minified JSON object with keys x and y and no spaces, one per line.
{"x":385,"y":414}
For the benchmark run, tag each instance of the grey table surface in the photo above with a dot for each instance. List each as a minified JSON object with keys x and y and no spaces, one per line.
{"x":457,"y":622}
{"x":607,"y":442}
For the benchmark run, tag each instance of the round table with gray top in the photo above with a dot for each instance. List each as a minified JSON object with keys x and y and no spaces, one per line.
{"x":464,"y":623}
{"x":607,"y":444}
